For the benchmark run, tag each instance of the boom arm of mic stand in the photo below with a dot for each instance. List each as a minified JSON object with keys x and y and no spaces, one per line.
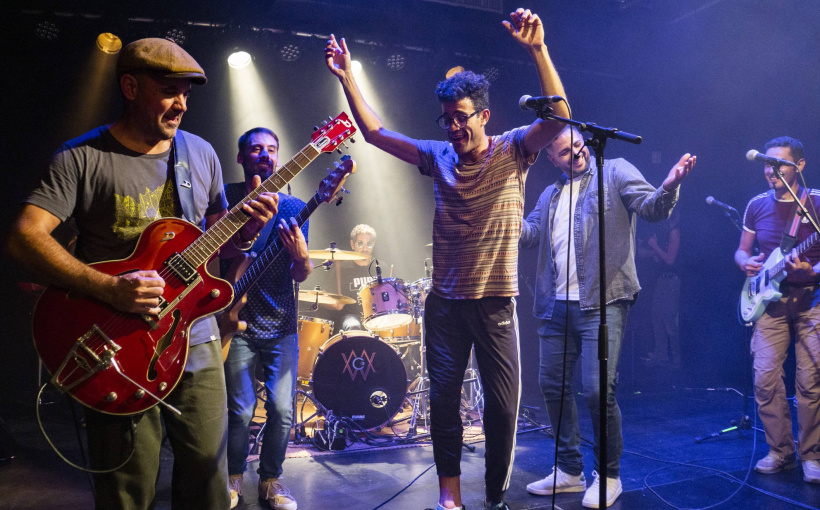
{"x":591,"y":127}
{"x":803,"y":211}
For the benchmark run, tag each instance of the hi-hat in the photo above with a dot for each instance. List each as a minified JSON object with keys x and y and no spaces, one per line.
{"x":328,"y":254}
{"x":324,"y":298}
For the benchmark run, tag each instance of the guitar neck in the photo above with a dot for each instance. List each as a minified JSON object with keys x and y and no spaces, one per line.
{"x":801,"y":248}
{"x":272,"y":252}
{"x":206,"y":246}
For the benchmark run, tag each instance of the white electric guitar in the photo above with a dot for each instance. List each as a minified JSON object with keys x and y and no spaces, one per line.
{"x":763,"y":288}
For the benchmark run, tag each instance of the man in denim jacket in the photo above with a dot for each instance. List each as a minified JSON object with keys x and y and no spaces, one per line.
{"x":567,"y":290}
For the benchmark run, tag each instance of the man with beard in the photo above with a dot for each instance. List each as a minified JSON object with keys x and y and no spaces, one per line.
{"x":770,"y":219}
{"x":568,"y":291}
{"x":270,"y":336}
{"x":114,"y":181}
{"x":479,"y":193}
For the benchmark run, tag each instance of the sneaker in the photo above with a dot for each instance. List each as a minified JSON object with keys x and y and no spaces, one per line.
{"x":811,"y":471}
{"x":276,"y":495}
{"x":495,"y":506}
{"x":773,"y":463}
{"x":235,"y":488}
{"x":613,"y":490}
{"x":565,"y":483}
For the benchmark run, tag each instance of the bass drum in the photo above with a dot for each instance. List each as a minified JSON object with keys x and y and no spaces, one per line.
{"x":359,"y":376}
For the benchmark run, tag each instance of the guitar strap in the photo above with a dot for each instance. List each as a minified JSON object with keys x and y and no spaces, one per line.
{"x":182,"y":175}
{"x":789,"y":238}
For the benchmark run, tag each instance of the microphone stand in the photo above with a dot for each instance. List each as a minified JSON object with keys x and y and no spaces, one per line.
{"x":600,"y":135}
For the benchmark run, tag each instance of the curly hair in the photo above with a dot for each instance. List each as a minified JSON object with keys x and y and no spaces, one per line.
{"x":465,"y":84}
{"x":362,"y":229}
{"x":793,"y":145}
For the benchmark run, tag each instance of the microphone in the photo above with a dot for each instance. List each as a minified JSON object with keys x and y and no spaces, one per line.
{"x":576,"y":155}
{"x":537,"y":103}
{"x":378,"y":272}
{"x":753,"y":155}
{"x":728,"y":208}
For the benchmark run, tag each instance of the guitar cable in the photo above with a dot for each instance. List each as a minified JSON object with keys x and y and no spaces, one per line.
{"x":133,"y":430}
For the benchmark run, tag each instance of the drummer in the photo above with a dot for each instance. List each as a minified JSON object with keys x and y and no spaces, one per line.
{"x":347,"y":277}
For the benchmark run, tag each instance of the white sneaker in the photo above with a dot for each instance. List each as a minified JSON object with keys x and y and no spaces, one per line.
{"x":565,"y":483}
{"x":235,"y":488}
{"x":276,"y":495}
{"x":613,"y":490}
{"x":811,"y":471}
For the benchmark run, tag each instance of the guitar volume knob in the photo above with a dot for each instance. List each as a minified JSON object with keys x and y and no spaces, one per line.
{"x":214,"y":293}
{"x":111,"y":397}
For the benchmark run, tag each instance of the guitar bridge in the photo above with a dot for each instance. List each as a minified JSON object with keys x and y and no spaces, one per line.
{"x":83,"y":361}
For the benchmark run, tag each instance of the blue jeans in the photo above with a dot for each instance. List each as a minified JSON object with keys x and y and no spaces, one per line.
{"x":278,"y":358}
{"x":582,"y":343}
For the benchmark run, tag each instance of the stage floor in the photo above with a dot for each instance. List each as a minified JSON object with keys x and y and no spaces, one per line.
{"x":660,"y":460}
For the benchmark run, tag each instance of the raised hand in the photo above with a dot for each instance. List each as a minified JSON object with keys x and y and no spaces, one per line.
{"x":337,"y":56}
{"x":679,"y":172}
{"x":526,"y":28}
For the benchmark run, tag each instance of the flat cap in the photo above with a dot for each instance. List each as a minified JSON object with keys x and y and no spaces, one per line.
{"x":161,"y":56}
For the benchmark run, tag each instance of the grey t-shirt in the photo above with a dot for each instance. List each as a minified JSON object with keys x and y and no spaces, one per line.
{"x":113,"y":193}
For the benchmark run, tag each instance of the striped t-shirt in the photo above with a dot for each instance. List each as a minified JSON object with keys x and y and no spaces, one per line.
{"x":479,"y":210}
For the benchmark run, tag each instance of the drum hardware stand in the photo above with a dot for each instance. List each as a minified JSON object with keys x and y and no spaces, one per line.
{"x":526,"y":415}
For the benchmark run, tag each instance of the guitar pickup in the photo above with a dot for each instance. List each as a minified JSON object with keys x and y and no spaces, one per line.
{"x":181,"y":268}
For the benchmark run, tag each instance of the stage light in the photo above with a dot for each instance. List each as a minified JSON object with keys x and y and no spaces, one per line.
{"x":47,"y":31}
{"x":454,"y":70}
{"x":395,"y":62}
{"x":492,"y":73}
{"x":239,"y":59}
{"x":356,"y":67}
{"x":109,"y":43}
{"x":290,"y":52}
{"x":176,"y":35}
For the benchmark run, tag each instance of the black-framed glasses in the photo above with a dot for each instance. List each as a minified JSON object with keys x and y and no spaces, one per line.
{"x":460,"y":119}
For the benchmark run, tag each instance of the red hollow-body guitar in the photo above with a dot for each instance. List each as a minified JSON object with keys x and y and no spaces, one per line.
{"x":124,"y":363}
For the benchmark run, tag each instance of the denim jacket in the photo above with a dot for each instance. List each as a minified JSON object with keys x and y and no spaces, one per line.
{"x":627,"y":195}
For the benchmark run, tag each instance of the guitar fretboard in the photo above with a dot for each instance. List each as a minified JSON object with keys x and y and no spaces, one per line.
{"x":272,"y":252}
{"x":206,"y":245}
{"x":802,"y":247}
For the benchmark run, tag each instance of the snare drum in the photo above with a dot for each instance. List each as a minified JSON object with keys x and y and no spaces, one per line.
{"x":313,"y":333}
{"x":385,"y":305}
{"x":360,"y":376}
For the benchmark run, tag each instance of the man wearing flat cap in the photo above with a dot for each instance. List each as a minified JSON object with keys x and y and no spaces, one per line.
{"x":114,"y":181}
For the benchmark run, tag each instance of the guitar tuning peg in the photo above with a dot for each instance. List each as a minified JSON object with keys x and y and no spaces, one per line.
{"x":339,"y":151}
{"x":346,"y":145}
{"x":324,"y":123}
{"x":339,"y":201}
{"x":327,"y":170}
{"x":352,"y":140}
{"x":316,"y":128}
{"x":329,"y":118}
{"x":343,"y":190}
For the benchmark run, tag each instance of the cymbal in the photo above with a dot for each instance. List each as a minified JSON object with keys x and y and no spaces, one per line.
{"x":324,"y":298}
{"x":328,"y":254}
{"x":430,"y":245}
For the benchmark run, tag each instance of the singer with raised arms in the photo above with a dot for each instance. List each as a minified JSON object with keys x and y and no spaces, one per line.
{"x":783,"y":236}
{"x":479,"y":196}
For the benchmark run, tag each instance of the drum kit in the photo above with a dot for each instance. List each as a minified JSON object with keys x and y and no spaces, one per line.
{"x":367,"y":376}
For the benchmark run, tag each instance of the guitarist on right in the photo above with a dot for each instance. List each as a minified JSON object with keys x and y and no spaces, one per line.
{"x":770,"y":218}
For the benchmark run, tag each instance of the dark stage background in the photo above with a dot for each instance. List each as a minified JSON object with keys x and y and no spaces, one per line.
{"x":710,"y":77}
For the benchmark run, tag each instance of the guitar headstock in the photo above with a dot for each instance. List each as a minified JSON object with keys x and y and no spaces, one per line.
{"x":332,"y":184}
{"x":333,"y":133}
